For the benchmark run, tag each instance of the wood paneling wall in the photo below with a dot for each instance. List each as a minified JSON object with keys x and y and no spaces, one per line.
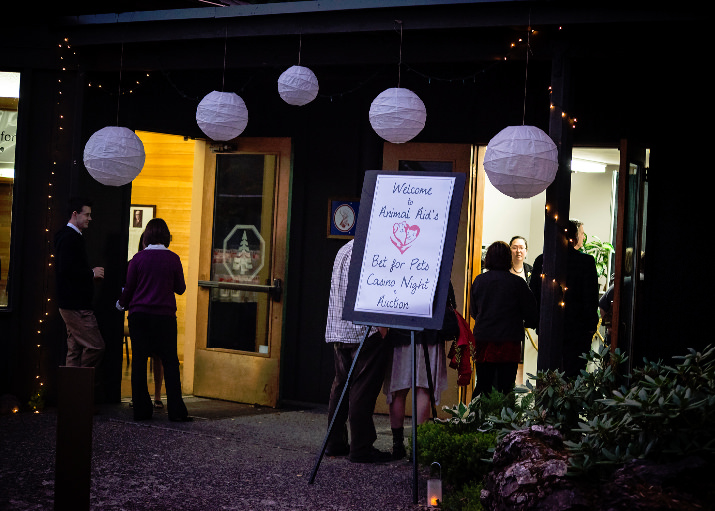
{"x":5,"y":223}
{"x":166,"y":181}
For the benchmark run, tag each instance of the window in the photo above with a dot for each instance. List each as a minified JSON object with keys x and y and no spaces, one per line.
{"x":9,"y":96}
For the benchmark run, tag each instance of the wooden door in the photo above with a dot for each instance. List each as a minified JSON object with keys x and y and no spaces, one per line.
{"x":467,"y":254}
{"x":241,"y":268}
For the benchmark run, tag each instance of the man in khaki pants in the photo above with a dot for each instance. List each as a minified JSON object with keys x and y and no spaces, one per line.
{"x":75,"y":287}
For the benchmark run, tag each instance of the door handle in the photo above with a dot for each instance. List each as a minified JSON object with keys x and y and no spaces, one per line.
{"x":275,"y":291}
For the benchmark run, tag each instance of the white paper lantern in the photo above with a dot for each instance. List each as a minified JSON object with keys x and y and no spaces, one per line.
{"x":298,"y":85}
{"x":222,"y":115}
{"x":397,"y":115}
{"x":521,"y":161}
{"x":114,"y":156}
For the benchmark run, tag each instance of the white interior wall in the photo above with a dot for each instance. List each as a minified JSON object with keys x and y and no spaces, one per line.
{"x":505,"y":217}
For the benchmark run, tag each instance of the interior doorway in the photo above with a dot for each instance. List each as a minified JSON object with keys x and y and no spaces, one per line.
{"x":594,"y":175}
{"x":164,"y":190}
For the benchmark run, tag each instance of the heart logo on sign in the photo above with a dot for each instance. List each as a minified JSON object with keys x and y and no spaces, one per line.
{"x":403,"y":235}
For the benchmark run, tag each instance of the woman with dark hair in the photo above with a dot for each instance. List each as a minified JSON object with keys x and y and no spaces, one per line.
{"x":519,"y":266}
{"x":501,"y":305}
{"x":154,"y":275}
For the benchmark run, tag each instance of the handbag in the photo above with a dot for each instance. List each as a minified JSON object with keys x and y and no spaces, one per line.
{"x":462,"y":351}
{"x":450,"y":325}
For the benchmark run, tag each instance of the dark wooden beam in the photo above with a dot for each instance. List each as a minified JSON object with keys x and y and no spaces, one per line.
{"x":558,"y":202}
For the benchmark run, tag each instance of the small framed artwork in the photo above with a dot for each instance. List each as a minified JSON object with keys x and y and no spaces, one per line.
{"x":342,"y":217}
{"x":139,"y":215}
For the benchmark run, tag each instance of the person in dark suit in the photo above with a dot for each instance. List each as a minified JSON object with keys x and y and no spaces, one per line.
{"x":580,"y":300}
{"x":75,"y":288}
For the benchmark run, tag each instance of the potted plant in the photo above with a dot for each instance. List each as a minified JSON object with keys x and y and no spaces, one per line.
{"x":600,"y":251}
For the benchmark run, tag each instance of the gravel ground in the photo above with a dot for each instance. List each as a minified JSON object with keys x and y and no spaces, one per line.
{"x":231,"y":457}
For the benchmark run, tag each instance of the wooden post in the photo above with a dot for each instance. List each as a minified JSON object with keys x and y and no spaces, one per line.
{"x":558,"y":199}
{"x":75,"y":411}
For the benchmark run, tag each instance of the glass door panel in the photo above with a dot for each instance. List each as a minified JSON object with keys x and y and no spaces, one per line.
{"x":241,"y":248}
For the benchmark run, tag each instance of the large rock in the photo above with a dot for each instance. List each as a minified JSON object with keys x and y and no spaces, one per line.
{"x":530,"y":468}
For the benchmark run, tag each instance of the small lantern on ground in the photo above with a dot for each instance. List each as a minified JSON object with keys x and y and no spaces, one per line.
{"x":222,"y":115}
{"x":298,"y":85}
{"x":397,"y":115}
{"x":434,"y":487}
{"x":114,"y":156}
{"x":521,"y":161}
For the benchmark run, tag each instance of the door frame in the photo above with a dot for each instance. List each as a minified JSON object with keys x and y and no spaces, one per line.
{"x":464,"y":160}
{"x":257,"y":380}
{"x":631,"y":154}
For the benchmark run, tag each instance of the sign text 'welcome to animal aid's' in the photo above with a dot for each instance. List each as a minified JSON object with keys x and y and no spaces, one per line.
{"x":404,"y":244}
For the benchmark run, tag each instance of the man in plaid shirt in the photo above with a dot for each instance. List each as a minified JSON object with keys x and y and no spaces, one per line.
{"x":366,"y":379}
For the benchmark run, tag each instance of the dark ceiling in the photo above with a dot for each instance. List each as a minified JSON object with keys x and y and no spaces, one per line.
{"x":76,"y":8}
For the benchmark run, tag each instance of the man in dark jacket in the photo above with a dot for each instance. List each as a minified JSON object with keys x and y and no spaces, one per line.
{"x":75,"y":287}
{"x":580,"y":300}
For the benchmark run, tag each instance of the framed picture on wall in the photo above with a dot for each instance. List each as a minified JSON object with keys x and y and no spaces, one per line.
{"x":139,"y":215}
{"x":342,"y":217}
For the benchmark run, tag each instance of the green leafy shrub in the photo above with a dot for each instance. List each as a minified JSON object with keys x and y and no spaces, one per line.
{"x":477,"y":414}
{"x":665,"y":413}
{"x":465,"y":498}
{"x":462,"y":455}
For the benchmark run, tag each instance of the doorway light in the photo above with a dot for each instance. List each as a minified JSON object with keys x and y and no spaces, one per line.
{"x":578,"y":165}
{"x":9,"y":85}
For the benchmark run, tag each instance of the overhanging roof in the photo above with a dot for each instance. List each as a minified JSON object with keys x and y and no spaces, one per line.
{"x":351,"y":16}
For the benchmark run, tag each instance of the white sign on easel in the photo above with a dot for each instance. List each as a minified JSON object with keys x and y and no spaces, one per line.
{"x":403,"y":247}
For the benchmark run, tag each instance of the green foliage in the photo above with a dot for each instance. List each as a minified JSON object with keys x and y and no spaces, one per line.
{"x":477,"y":414}
{"x":666,"y":412}
{"x":463,"y":455}
{"x":465,"y":498}
{"x":600,"y":251}
{"x":564,"y":404}
{"x":37,"y":400}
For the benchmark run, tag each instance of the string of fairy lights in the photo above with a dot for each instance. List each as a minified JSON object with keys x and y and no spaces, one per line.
{"x":59,"y":160}
{"x":513,"y":50}
{"x":69,"y":61}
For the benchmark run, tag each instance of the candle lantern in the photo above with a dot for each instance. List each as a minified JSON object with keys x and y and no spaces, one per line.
{"x":434,"y":487}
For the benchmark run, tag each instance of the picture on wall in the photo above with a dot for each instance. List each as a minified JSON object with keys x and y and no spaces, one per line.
{"x":342,"y":217}
{"x":139,"y":215}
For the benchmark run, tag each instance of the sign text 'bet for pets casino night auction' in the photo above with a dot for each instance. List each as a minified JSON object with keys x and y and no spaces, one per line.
{"x":404,"y":244}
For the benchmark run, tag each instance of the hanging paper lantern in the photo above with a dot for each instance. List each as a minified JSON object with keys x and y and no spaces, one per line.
{"x":397,"y":115}
{"x":521,"y":161}
{"x":114,"y":156}
{"x":298,"y":85}
{"x":222,"y":115}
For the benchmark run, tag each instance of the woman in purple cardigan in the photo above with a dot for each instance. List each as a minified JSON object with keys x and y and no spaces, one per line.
{"x":154,"y":275}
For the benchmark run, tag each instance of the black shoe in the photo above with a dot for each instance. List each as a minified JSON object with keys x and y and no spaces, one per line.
{"x":181,"y":419}
{"x":340,"y":450}
{"x":373,"y":456}
{"x":398,"y":451}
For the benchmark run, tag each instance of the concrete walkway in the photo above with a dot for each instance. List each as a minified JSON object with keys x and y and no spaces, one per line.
{"x":231,"y":457}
